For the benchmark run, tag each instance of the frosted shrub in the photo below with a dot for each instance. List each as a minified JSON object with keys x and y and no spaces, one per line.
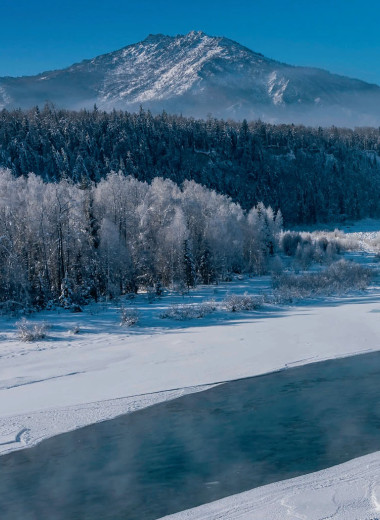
{"x":128,"y":317}
{"x":75,"y":329}
{"x":182,"y":312}
{"x":289,"y":242}
{"x":206,"y":308}
{"x":242,"y":302}
{"x":306,"y":248}
{"x":339,"y":278}
{"x":375,"y":241}
{"x":338,"y":239}
{"x":346,"y":275}
{"x":304,"y":255}
{"x":28,"y":331}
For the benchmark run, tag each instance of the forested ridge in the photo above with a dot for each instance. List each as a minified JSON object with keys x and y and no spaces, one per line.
{"x":311,"y":174}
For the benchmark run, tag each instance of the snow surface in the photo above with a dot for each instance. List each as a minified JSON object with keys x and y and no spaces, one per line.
{"x":71,"y":380}
{"x":348,"y":491}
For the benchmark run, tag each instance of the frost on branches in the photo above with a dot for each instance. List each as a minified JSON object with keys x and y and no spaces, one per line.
{"x":70,"y":243}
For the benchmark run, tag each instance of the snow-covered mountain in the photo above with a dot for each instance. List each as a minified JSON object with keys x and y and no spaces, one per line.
{"x":199,"y":75}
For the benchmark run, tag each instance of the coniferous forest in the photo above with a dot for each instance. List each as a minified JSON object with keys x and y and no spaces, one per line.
{"x":96,"y":204}
{"x":311,"y":174}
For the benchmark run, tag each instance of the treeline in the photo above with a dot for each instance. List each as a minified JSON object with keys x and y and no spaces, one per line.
{"x":311,"y":174}
{"x":70,"y":243}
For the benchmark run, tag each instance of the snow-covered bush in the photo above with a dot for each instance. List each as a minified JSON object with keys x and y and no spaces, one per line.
{"x":65,"y":298}
{"x":305,"y":248}
{"x":128,"y":317}
{"x":242,"y":302}
{"x":182,"y":312}
{"x":304,"y":255}
{"x":339,"y":240}
{"x":289,"y":242}
{"x":28,"y":331}
{"x":346,"y":275}
{"x":373,"y":240}
{"x":75,"y":329}
{"x":340,"y":277}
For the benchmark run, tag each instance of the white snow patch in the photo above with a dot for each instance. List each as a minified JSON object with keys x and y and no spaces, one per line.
{"x":148,"y":72}
{"x":276,"y":88}
{"x":350,"y":491}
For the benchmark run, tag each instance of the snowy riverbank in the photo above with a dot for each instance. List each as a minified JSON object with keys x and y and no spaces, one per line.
{"x":86,"y":377}
{"x":71,"y":380}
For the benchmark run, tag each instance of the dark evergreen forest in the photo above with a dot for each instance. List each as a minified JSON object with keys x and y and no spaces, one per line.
{"x":311,"y":174}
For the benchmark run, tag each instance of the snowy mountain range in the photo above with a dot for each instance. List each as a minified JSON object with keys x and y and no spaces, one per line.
{"x":197,"y":75}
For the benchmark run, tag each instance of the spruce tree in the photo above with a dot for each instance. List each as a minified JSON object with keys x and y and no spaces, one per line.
{"x":189,"y":267}
{"x":205,"y":267}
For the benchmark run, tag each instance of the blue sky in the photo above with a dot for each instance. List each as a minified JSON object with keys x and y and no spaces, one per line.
{"x":342,"y":36}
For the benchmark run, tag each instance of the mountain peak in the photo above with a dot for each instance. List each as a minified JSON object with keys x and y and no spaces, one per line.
{"x":155,"y":38}
{"x":197,"y":74}
{"x":192,"y":35}
{"x":196,"y":34}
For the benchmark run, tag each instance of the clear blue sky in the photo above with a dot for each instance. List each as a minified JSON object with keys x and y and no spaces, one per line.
{"x":342,"y":36}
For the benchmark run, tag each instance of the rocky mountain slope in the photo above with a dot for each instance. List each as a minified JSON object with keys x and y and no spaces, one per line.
{"x":198,"y":75}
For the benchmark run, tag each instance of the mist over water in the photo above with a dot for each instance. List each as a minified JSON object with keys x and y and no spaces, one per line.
{"x":200,"y":447}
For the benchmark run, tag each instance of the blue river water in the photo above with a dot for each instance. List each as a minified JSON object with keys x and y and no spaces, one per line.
{"x":200,"y":447}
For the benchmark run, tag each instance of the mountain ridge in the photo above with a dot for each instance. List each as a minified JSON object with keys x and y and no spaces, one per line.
{"x":196,"y":74}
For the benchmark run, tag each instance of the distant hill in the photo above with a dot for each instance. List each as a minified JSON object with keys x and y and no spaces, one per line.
{"x":196,"y":75}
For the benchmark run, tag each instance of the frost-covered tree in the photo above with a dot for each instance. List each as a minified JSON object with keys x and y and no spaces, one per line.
{"x":188,"y":266}
{"x":69,"y":243}
{"x":65,"y":298}
{"x":206,"y":269}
